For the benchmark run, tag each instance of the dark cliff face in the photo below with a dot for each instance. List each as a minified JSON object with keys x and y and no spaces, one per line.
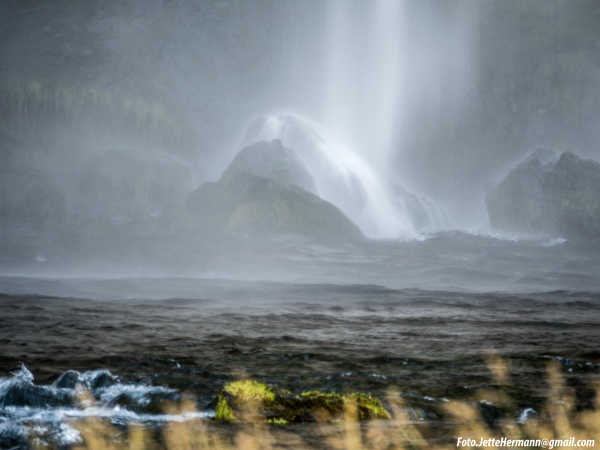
{"x":560,"y":196}
{"x":33,"y":209}
{"x":125,"y":186}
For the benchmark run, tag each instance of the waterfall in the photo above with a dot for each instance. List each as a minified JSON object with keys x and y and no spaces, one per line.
{"x":349,"y":151}
{"x":363,"y":94}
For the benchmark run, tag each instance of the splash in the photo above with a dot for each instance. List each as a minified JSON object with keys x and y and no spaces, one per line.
{"x":46,"y":413}
{"x":341,"y":176}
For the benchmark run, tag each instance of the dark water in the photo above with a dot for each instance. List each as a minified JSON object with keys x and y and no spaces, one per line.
{"x":148,"y":340}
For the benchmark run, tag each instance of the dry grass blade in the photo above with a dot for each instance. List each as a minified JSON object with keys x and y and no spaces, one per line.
{"x":558,"y":420}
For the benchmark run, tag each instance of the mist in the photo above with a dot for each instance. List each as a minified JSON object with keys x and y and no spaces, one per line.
{"x":237,"y":221}
{"x":405,"y":114}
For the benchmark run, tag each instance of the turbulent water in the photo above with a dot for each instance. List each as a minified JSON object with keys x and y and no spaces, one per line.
{"x":364,"y":318}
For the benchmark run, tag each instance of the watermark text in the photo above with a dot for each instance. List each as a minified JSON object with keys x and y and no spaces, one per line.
{"x":524,"y":443}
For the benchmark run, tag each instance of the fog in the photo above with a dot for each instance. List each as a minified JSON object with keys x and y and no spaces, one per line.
{"x":237,"y":223}
{"x":404,"y":113}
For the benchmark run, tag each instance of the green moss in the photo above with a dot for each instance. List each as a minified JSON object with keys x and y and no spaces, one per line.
{"x":223,"y":411}
{"x":241,"y":394}
{"x":368,"y":406}
{"x":249,"y":390}
{"x":278,"y":421}
{"x":329,"y":395}
{"x":280,"y":406}
{"x":330,"y":401}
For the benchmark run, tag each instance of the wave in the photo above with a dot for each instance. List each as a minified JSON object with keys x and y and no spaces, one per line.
{"x":47,"y":411}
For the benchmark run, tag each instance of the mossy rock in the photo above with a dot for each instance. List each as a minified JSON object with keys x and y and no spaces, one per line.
{"x":244,"y":204}
{"x":250,"y":399}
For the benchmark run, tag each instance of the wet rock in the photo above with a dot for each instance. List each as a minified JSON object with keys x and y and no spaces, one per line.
{"x":13,"y":437}
{"x":551,"y":194}
{"x":248,"y":205}
{"x":152,"y":403}
{"x":68,"y":380}
{"x":338,"y":182}
{"x":240,"y":400}
{"x":102,"y":379}
{"x":21,"y":391}
{"x":27,"y":394}
{"x":491,"y":413}
{"x":271,"y":160}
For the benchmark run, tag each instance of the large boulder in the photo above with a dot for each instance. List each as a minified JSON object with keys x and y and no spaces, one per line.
{"x":335,"y":170}
{"x":270,"y":159}
{"x":549,"y":193}
{"x":256,"y":206}
{"x":266,"y":191}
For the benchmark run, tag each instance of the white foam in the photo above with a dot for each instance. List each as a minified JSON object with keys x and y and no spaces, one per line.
{"x":525,"y":414}
{"x":58,"y":423}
